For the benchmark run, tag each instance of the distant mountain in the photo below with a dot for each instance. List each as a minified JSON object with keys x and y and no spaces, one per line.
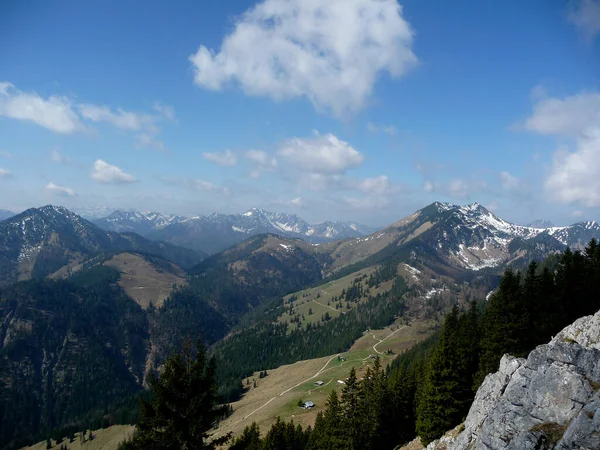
{"x":467,"y":237}
{"x":93,"y":212}
{"x":217,"y":232}
{"x":541,"y":223}
{"x":5,"y":214}
{"x":136,"y":222}
{"x":40,"y":241}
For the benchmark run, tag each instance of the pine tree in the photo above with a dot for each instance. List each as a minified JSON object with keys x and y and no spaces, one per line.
{"x":248,"y":440}
{"x":184,"y":405}
{"x":505,"y":326}
{"x":443,"y":401}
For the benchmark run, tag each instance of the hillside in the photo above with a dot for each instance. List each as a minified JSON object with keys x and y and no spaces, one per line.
{"x":41,"y":241}
{"x":149,"y":281}
{"x":71,"y":350}
{"x":458,"y":241}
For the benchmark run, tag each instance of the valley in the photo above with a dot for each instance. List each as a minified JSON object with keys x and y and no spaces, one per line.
{"x":271,"y":302}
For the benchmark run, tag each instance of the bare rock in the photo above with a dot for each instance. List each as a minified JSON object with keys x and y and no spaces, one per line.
{"x":550,"y":400}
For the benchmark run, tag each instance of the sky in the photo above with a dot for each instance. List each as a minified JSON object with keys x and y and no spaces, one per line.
{"x":362,"y":110}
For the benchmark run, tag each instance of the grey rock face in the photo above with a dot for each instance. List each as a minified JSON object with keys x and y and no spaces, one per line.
{"x":551,"y":400}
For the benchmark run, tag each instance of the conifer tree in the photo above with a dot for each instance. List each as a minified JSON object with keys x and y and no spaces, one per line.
{"x":184,"y":405}
{"x":248,"y":440}
{"x":439,"y":407}
{"x":505,"y":324}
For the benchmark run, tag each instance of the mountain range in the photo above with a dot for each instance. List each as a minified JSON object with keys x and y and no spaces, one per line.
{"x":121,"y":301}
{"x":469,"y":238}
{"x":40,"y":241}
{"x":216,"y":232}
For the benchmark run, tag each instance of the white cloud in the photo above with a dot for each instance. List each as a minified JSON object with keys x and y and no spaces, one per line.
{"x":263,"y":162}
{"x":123,"y":120}
{"x":226,"y":158}
{"x":578,"y":213}
{"x":575,"y":174}
{"x":167,"y":111}
{"x":54,"y":113}
{"x":105,"y":173}
{"x":59,"y":158}
{"x":146,"y":140}
{"x":298,"y":201}
{"x":6,"y":154}
{"x":456,"y":188}
{"x":323,"y":154}
{"x":330,"y":51}
{"x":5,"y":173}
{"x":576,"y":116}
{"x":60,"y":190}
{"x":61,"y":115}
{"x":493,"y":206}
{"x":380,"y":185}
{"x":387,"y":129}
{"x":145,"y":125}
{"x":586,"y":17}
{"x":509,"y":182}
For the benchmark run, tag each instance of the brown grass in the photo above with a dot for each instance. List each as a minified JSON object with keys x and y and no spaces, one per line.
{"x":104,"y":439}
{"x":553,"y":431}
{"x":142,"y":281}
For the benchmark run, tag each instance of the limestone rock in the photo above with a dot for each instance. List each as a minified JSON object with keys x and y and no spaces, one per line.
{"x":551,"y":400}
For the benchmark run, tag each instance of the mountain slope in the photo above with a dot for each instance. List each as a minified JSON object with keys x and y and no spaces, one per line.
{"x":461,"y":238}
{"x":5,"y":214}
{"x":217,"y":232}
{"x":40,"y":241}
{"x":67,"y":353}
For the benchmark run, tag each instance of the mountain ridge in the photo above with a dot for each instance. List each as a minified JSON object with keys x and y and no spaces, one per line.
{"x":40,"y":241}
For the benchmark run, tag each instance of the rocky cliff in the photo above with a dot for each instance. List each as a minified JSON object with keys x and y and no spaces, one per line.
{"x":551,"y":400}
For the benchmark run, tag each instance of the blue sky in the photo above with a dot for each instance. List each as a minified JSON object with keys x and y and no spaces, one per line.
{"x":331,"y":109}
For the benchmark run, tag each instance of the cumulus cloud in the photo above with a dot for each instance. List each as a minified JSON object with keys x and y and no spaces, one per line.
{"x":577,"y":116}
{"x":226,"y":158}
{"x":54,"y":113}
{"x":322,"y":154}
{"x":60,"y":190}
{"x":329,"y":51}
{"x":586,"y":17}
{"x":575,"y":173}
{"x":387,"y":129}
{"x":106,"y":173}
{"x":5,"y":173}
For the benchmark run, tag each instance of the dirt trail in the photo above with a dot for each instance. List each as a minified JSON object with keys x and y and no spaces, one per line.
{"x":280,"y":395}
{"x":385,"y":339}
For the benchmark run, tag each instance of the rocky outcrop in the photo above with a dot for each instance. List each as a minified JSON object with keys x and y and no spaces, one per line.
{"x":551,"y":400}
